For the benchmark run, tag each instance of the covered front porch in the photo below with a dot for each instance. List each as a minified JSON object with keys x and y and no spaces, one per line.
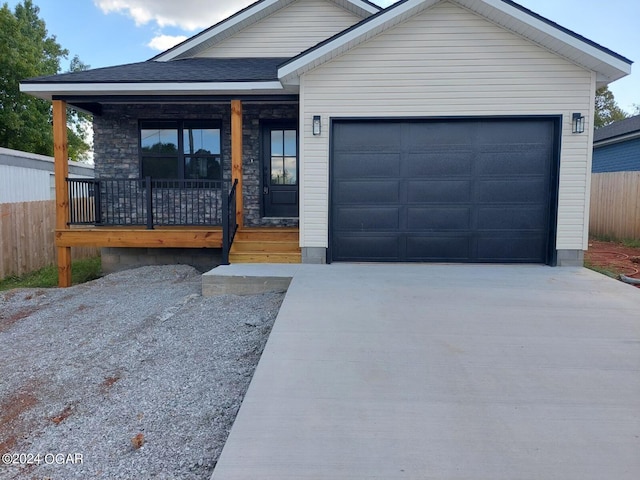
{"x":124,"y":208}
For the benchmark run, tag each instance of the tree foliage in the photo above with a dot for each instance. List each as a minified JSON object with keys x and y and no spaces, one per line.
{"x":607,"y":110}
{"x":27,"y":50}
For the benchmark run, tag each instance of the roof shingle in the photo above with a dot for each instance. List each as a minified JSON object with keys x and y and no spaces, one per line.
{"x":190,"y":70}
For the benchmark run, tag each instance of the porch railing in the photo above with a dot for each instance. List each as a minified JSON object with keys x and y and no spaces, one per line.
{"x":145,"y":202}
{"x":229,"y":225}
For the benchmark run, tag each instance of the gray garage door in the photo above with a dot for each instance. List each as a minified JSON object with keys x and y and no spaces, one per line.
{"x":443,"y":191}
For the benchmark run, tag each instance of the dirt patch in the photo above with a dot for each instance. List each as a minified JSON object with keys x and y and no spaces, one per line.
{"x":13,"y":425}
{"x":615,"y":258}
{"x":8,"y":319}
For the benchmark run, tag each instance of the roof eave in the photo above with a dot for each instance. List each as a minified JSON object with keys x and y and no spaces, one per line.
{"x":617,"y":139}
{"x":50,"y":90}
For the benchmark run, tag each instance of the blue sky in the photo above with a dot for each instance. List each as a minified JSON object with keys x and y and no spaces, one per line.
{"x":112,"y":32}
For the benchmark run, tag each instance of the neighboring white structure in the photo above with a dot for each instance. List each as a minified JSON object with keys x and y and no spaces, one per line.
{"x":28,"y":177}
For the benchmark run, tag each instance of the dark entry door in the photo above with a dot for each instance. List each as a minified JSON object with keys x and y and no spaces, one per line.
{"x":280,"y":173}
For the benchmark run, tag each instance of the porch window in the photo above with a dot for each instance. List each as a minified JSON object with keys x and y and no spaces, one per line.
{"x":188,"y":150}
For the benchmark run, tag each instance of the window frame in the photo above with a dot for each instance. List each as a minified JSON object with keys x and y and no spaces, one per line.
{"x":179,"y":125}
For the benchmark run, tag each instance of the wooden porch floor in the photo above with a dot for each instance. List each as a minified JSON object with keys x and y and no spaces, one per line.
{"x":159,"y":237}
{"x":251,"y":244}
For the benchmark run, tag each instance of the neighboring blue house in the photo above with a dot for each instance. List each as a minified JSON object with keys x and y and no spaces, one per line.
{"x":616,"y":147}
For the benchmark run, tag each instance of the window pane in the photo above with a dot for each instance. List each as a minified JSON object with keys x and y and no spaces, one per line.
{"x":202,"y":141}
{"x":203,"y":168}
{"x":290,"y":149}
{"x":290,"y":173}
{"x":160,"y":167}
{"x":283,"y":171}
{"x":277,"y":171}
{"x":159,"y":140}
{"x":277,"y":142}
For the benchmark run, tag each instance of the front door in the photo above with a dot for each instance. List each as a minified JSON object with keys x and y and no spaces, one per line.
{"x":280,"y":170}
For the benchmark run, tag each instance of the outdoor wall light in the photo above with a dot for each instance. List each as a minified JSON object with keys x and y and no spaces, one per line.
{"x":578,"y":123}
{"x":317,"y":126}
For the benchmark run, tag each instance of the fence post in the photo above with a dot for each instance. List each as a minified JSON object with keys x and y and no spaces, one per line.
{"x":149,"y":203}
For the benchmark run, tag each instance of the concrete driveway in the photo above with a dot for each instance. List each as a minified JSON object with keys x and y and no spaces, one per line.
{"x":444,"y":372}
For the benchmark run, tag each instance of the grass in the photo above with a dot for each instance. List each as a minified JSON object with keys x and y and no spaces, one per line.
{"x":627,"y":242}
{"x":81,"y":271}
{"x":600,"y":270}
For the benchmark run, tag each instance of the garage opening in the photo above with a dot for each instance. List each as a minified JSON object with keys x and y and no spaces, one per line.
{"x":459,"y":190}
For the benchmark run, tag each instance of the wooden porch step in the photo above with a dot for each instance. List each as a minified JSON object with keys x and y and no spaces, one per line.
{"x":266,"y":245}
{"x":288,"y":246}
{"x":268,"y":234}
{"x":264,"y":257}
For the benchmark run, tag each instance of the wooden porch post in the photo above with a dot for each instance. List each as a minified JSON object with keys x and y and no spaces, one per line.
{"x":61,"y":172}
{"x":236,"y":156}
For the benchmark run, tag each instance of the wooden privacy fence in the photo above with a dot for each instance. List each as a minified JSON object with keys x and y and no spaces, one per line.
{"x":27,"y":237}
{"x":615,"y":205}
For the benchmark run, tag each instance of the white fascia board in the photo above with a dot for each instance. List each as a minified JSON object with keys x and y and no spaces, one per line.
{"x":556,"y":33}
{"x":49,"y":90}
{"x":355,"y":5}
{"x":297,"y":66}
{"x":223,"y":26}
{"x":612,"y":141}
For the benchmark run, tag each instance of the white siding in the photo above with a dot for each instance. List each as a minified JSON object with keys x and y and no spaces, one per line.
{"x":28,"y":177}
{"x":19,"y":184}
{"x":286,"y":32}
{"x":446,"y":61}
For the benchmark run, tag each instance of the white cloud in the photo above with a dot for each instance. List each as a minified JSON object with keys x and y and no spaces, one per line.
{"x":165,"y":42}
{"x":188,"y":15}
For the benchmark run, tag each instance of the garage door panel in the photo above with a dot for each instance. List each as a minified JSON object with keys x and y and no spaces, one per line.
{"x":512,"y":219}
{"x":439,"y":191}
{"x":372,"y":192}
{"x":514,"y":132}
{"x":443,"y":163}
{"x":521,"y":249}
{"x":368,"y":137}
{"x":366,"y":248}
{"x":513,"y":162}
{"x":369,"y":165}
{"x":529,"y":190}
{"x":473,"y":190}
{"x":369,"y":219}
{"x":440,"y":248}
{"x":438,"y":135}
{"x":438,"y":218}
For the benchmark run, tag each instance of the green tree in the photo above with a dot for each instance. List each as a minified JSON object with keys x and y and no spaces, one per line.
{"x":27,"y":50}
{"x":607,"y":110}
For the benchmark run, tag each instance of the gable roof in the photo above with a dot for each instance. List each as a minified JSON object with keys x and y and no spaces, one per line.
{"x":618,"y":131}
{"x":246,"y":17}
{"x":608,"y":65}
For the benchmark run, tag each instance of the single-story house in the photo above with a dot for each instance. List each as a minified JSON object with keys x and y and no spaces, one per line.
{"x":616,"y":147}
{"x":333,"y":130}
{"x":28,"y":177}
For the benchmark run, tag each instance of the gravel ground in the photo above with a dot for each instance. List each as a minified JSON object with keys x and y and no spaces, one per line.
{"x":136,"y":373}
